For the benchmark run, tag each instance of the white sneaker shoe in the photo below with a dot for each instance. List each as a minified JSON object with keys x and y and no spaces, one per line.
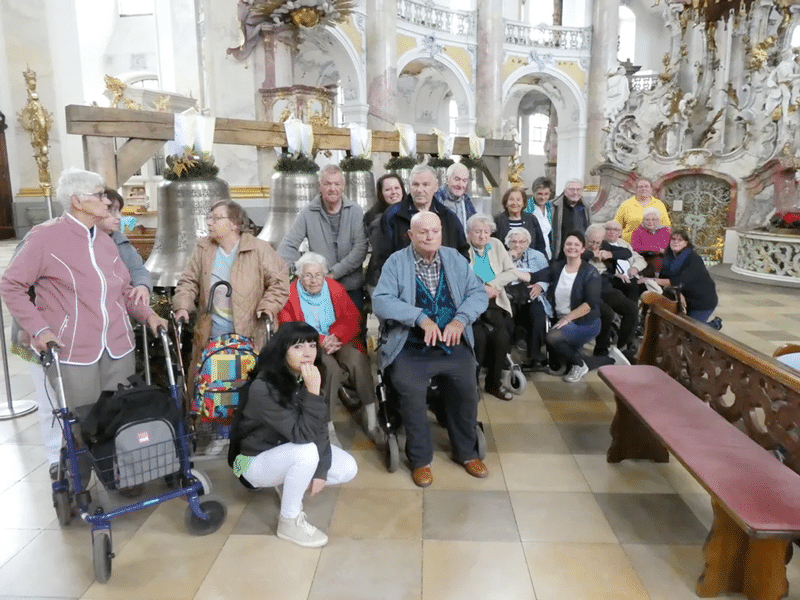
{"x":618,"y":356}
{"x":301,"y":532}
{"x":576,"y":373}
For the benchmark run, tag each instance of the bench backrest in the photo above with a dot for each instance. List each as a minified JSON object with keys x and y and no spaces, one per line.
{"x":753,"y":391}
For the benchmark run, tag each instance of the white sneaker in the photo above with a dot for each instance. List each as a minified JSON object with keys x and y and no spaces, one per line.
{"x":301,"y":532}
{"x":618,"y":356}
{"x":576,"y":373}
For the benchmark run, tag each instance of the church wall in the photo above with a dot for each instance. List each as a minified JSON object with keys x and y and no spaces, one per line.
{"x":651,"y":43}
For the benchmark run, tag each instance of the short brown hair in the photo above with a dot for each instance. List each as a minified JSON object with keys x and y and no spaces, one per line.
{"x":236,"y":214}
{"x":114,"y":196}
{"x":510,"y":191}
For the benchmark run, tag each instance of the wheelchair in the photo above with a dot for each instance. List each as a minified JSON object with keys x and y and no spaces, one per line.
{"x":390,"y":422}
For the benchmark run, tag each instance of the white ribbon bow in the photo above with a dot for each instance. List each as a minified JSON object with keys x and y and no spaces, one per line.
{"x":192,"y":130}
{"x":408,"y":139}
{"x":445,"y":143}
{"x":299,"y":136}
{"x":360,"y":140}
{"x":476,"y":146}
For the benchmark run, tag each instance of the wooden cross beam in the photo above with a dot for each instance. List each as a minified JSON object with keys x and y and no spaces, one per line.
{"x":147,"y":131}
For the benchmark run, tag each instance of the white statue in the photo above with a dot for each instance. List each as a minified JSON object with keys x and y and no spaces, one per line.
{"x":783,"y":85}
{"x":617,"y":93}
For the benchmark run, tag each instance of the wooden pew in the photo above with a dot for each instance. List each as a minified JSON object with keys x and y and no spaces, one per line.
{"x":725,"y":411}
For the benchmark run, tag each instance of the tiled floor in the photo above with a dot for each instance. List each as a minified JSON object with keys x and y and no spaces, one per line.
{"x":553,"y":521}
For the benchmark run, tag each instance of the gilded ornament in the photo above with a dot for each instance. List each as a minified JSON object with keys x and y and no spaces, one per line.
{"x":36,"y":121}
{"x":161,"y":104}
{"x":305,"y":17}
{"x":117,"y":90}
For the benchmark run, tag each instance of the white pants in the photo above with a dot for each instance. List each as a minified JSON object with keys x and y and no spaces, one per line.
{"x":293,"y":465}
{"x":48,"y":423}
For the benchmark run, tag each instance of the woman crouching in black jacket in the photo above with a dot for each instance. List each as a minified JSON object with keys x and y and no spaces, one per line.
{"x":284,"y":431}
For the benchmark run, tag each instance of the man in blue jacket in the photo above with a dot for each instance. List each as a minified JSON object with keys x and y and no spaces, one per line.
{"x":428,"y":297}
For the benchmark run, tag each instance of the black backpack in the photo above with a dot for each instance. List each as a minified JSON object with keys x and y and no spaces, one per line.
{"x":131,"y":434}
{"x":237,"y":434}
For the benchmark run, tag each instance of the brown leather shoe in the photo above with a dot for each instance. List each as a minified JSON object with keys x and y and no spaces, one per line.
{"x":422,"y":477}
{"x":476,"y":468}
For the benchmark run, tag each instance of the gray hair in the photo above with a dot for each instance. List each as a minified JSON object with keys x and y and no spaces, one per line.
{"x":454,"y":167}
{"x":481,"y":218}
{"x":595,"y":227}
{"x":520,"y":231}
{"x":331,"y":168}
{"x":421,"y":169}
{"x":651,"y":210}
{"x":76,"y":182}
{"x":311,"y":258}
{"x":615,"y":223}
{"x":573,"y":180}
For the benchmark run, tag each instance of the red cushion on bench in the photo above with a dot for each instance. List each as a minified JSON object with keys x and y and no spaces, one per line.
{"x":759,"y":492}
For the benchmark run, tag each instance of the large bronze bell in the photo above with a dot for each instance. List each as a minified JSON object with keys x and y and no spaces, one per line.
{"x":182,"y":209}
{"x":289,"y":194}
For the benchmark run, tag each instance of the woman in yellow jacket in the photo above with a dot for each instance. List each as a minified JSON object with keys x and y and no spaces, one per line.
{"x":630,"y":213}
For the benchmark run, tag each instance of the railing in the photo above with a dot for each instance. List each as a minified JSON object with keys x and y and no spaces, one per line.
{"x":438,"y":18}
{"x":643,"y":83}
{"x":565,"y":38}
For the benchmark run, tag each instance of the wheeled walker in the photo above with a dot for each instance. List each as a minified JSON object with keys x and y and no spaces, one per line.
{"x":168,"y":460}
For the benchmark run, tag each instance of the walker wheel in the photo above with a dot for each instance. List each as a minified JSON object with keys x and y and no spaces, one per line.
{"x":215,"y":510}
{"x":481,"y":440}
{"x":63,"y":505}
{"x":101,"y":554}
{"x":391,"y":453}
{"x":204,"y":481}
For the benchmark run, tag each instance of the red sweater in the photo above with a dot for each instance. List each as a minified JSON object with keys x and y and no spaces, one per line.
{"x":346,"y":325}
{"x":644,"y":241}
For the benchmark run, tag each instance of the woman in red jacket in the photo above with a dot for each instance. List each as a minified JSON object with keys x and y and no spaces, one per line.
{"x":323,"y":303}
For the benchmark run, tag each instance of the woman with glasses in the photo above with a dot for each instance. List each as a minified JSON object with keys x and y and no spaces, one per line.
{"x":258,"y":278}
{"x":323,"y":303}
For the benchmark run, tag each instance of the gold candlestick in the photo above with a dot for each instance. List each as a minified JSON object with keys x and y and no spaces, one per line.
{"x":37,"y":121}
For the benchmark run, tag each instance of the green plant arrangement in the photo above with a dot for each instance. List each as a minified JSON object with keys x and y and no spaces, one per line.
{"x":295,"y":164}
{"x":350,"y":164}
{"x":472,"y":163}
{"x":435,"y":162}
{"x":190,"y":165}
{"x":400,"y":162}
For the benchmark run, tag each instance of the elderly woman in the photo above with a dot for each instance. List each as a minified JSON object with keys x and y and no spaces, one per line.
{"x":650,"y":239}
{"x":512,"y":217}
{"x":631,"y":212}
{"x":683,"y":267}
{"x":323,"y":303}
{"x":492,"y":264}
{"x":258,"y":278}
{"x":575,"y":293}
{"x":390,"y":190}
{"x":530,"y":306}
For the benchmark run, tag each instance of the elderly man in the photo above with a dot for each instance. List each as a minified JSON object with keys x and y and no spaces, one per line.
{"x":428,"y":297}
{"x":83,"y":292}
{"x":334,"y":228}
{"x":603,"y":256}
{"x":396,"y":222}
{"x":570,"y":213}
{"x":627,"y":270}
{"x":453,"y":194}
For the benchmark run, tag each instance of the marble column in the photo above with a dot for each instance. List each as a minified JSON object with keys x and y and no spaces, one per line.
{"x":490,"y":57}
{"x":605,"y":29}
{"x":382,"y":64}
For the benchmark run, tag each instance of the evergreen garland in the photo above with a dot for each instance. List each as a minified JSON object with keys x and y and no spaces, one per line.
{"x":351,"y":164}
{"x":400,"y":162}
{"x":296,"y":164}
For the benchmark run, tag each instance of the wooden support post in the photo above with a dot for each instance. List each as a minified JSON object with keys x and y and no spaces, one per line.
{"x":631,"y":439}
{"x":99,"y":156}
{"x":736,"y":562}
{"x":133,"y":154}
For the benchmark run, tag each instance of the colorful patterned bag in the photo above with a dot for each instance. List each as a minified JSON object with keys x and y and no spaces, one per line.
{"x":223,"y":368}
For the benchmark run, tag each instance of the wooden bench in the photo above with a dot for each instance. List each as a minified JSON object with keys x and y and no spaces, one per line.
{"x":722,"y":409}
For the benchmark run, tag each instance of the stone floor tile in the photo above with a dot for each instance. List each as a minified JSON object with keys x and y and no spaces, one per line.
{"x":542,"y":472}
{"x":560,"y":517}
{"x":469,"y":516}
{"x":384,"y":514}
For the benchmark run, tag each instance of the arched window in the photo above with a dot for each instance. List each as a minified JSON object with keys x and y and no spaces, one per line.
{"x":627,"y":34}
{"x":537,"y":132}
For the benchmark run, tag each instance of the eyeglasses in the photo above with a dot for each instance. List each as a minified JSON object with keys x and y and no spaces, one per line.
{"x":313,"y":276}
{"x":98,"y":195}
{"x":214,"y":218}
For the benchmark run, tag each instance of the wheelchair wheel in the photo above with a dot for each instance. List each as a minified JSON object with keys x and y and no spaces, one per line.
{"x":481,"y":440}
{"x":62,"y":502}
{"x":391,"y":453}
{"x":101,"y":554}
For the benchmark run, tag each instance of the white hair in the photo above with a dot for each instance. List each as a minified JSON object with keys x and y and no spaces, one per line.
{"x":455,"y":166}
{"x":481,"y":218}
{"x":595,"y":227}
{"x":311,"y":258}
{"x":520,"y":231}
{"x":651,"y":210}
{"x":76,"y":182}
{"x":331,"y":168}
{"x":573,"y":180}
{"x":422,"y":169}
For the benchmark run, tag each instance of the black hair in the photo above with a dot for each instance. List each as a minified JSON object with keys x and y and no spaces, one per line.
{"x":381,"y":205}
{"x":576,"y":234}
{"x":684,"y":235}
{"x":114,"y":196}
{"x":272,"y":367}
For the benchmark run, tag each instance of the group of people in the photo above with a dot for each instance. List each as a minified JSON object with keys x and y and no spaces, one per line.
{"x":453,"y":290}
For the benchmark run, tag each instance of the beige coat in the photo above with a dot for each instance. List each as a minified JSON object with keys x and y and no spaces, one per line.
{"x":503,"y":268}
{"x":260,"y":283}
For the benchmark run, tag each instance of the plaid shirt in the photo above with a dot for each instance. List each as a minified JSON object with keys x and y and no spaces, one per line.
{"x":428,"y":272}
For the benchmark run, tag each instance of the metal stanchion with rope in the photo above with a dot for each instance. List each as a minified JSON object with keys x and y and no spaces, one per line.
{"x":13,"y":408}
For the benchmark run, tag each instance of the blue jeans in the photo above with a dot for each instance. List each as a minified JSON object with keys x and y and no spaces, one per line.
{"x":700,"y":315}
{"x":566,"y":343}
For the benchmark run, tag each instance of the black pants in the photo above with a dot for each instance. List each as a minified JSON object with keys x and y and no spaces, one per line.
{"x":492,"y":343}
{"x":531,"y":318}
{"x":632,"y":290}
{"x":410,"y":375}
{"x":615,"y":302}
